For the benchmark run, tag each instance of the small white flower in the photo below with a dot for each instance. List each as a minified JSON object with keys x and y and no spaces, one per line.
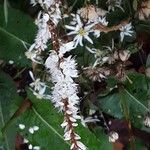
{"x":81,"y":145}
{"x":38,"y":87}
{"x":101,"y":56}
{"x":84,"y":121}
{"x":21,"y":126}
{"x":102,"y":21}
{"x":55,"y":14}
{"x":30,"y":146}
{"x":31,"y":130}
{"x":34,"y":56}
{"x":92,"y":111}
{"x":11,"y":62}
{"x":35,"y":128}
{"x":81,"y":31}
{"x":69,"y":67}
{"x":125,"y":31}
{"x":64,"y":124}
{"x":25,"y":141}
{"x":147,"y":121}
{"x":46,"y":17}
{"x":43,"y":34}
{"x":113,"y":136}
{"x":36,"y":148}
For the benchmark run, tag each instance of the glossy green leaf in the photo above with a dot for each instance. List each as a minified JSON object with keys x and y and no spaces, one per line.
{"x":111,"y":105}
{"x":8,"y":94}
{"x":135,"y":95}
{"x":19,"y":30}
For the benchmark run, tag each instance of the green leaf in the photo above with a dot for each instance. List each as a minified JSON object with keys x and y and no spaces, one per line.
{"x":139,"y":145}
{"x":143,"y":26}
{"x":19,"y":29}
{"x":136,"y":97}
{"x":8,"y":95}
{"x":111,"y":105}
{"x":6,"y":11}
{"x":50,"y":133}
{"x":99,"y":132}
{"x":135,"y":103}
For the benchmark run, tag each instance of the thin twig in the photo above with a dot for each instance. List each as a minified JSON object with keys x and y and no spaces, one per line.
{"x":106,"y":29}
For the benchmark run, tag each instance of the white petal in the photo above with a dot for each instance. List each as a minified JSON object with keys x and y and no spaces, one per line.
{"x":36,"y":148}
{"x":72,"y":146}
{"x":79,"y":21}
{"x":88,"y":27}
{"x":32,"y":47}
{"x":80,"y":40}
{"x":21,"y":126}
{"x":64,"y":124}
{"x":25,"y":141}
{"x":72,"y":119}
{"x":69,"y":112}
{"x":88,"y":38}
{"x":77,"y":116}
{"x":70,"y":27}
{"x":76,"y":40}
{"x":81,"y":145}
{"x":31,"y":130}
{"x":74,"y":124}
{"x":31,"y":75}
{"x":35,"y":128}
{"x":30,"y":146}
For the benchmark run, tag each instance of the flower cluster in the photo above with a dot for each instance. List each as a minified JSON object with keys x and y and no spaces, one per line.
{"x":64,"y":95}
{"x":91,"y":21}
{"x":38,"y":87}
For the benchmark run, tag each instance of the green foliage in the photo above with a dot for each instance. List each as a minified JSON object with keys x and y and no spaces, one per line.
{"x":143,"y":26}
{"x":7,"y":97}
{"x":127,"y":100}
{"x":20,"y":29}
{"x":135,"y":96}
{"x":111,"y":105}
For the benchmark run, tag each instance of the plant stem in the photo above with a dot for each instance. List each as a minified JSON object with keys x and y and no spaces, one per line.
{"x":3,"y":123}
{"x":17,"y":75}
{"x":126,"y":112}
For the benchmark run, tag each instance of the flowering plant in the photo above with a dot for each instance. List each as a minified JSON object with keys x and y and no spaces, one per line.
{"x":76,"y":79}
